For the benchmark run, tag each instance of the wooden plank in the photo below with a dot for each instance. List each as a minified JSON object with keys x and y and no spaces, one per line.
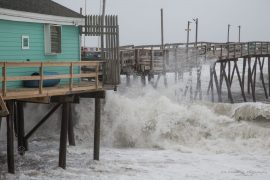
{"x":48,"y":77}
{"x":41,"y":78}
{"x":49,"y":64}
{"x":4,"y":81}
{"x":22,"y":78}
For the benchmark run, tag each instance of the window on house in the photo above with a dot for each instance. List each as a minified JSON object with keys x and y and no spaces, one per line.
{"x":53,"y":40}
{"x":25,"y":42}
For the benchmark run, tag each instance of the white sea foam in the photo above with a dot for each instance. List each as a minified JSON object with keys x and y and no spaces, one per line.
{"x":147,"y":118}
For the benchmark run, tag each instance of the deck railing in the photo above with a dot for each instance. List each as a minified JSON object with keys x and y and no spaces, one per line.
{"x":72,"y":72}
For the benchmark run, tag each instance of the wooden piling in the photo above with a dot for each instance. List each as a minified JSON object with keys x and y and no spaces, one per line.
{"x":240,"y":81}
{"x":249,"y":76}
{"x":97,"y":129}
{"x":232,"y":75}
{"x":229,"y":70}
{"x":269,"y":75}
{"x":227,"y":84}
{"x":262,"y":77}
{"x":10,"y":138}
{"x":15,"y":118}
{"x":22,"y":144}
{"x":0,"y":122}
{"x":63,"y":136}
{"x":71,"y":136}
{"x":253,"y":85}
{"x":221,"y":77}
{"x":243,"y":72}
{"x":211,"y":84}
{"x":217,"y":84}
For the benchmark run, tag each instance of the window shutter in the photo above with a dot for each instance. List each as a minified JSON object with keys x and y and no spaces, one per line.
{"x":55,"y":39}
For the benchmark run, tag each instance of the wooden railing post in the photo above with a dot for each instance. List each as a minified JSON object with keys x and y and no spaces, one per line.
{"x":97,"y":73}
{"x":4,"y":82}
{"x":261,"y":48}
{"x":41,"y":69}
{"x":228,"y":50}
{"x":248,"y":48}
{"x":71,"y":77}
{"x":241,"y":49}
{"x":234,"y":46}
{"x":221,"y":51}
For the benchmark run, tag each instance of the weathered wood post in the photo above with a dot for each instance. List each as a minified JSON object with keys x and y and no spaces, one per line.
{"x":97,"y":129}
{"x":269,"y":75}
{"x":0,"y":122}
{"x":71,"y":136}
{"x":212,"y":83}
{"x":63,"y":136}
{"x":249,"y":76}
{"x":253,"y":85}
{"x":243,"y":73}
{"x":10,"y":137}
{"x":22,"y":144}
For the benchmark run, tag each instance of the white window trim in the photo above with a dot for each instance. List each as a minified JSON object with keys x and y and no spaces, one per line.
{"x":25,"y":37}
{"x":47,"y":39}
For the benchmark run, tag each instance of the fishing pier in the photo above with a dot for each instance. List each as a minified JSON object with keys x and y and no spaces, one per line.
{"x":223,"y":59}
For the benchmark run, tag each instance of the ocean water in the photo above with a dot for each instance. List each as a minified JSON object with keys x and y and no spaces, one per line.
{"x":152,"y":133}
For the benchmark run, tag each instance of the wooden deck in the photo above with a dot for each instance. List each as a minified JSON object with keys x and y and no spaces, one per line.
{"x":76,"y":82}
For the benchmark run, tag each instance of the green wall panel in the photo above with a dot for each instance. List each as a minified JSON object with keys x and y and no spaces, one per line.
{"x":11,"y":33}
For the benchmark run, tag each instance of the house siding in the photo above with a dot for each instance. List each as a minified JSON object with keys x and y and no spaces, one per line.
{"x":11,"y":33}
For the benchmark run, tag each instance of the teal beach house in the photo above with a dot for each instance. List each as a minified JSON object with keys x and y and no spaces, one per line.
{"x":38,"y":31}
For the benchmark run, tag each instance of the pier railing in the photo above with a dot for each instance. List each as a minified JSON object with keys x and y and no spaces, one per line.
{"x":238,"y":50}
{"x":72,"y":79}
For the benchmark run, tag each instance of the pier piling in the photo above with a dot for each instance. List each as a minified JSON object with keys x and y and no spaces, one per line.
{"x":10,"y":138}
{"x":97,"y":129}
{"x":63,"y":136}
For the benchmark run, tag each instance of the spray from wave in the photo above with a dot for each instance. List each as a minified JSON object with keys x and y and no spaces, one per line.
{"x":144,"y":117}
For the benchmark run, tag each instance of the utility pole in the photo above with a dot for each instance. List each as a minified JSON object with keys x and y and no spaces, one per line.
{"x":162,"y":30}
{"x":239,"y":33}
{"x":228,"y":35}
{"x":188,"y":29}
{"x":196,"y":34}
{"x":162,"y":47}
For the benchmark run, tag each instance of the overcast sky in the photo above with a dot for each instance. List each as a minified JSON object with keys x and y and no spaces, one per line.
{"x":139,"y":20}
